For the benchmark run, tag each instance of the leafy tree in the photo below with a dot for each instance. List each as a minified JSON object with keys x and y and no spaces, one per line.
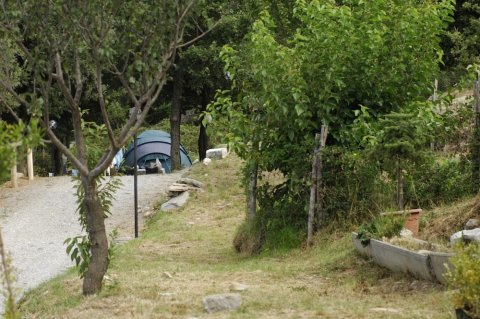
{"x":198,"y":71}
{"x":461,"y":42}
{"x":401,"y":139}
{"x":345,"y":54}
{"x":70,"y":50}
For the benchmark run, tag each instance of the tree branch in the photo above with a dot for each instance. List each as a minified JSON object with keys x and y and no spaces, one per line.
{"x":58,"y":76}
{"x":10,"y":110}
{"x":101,"y":98}
{"x":185,"y":44}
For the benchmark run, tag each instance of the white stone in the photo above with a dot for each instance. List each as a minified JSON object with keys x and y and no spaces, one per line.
{"x":471,"y":235}
{"x":206,"y":161}
{"x":215,"y":303}
{"x":217,"y":153}
{"x":406,"y":233}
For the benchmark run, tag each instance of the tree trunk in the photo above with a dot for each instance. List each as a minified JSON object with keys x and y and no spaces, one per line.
{"x":399,"y":186}
{"x":97,"y":267}
{"x":175,"y":119}
{"x":252,"y":192}
{"x":202,"y":142}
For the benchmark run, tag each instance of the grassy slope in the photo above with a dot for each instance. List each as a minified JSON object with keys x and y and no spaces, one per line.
{"x":188,"y":254}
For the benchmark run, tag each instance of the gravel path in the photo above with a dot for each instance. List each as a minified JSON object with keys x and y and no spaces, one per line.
{"x":38,"y":216}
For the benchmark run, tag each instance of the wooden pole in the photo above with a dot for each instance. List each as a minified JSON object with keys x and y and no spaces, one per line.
{"x":13,"y":176}
{"x":252,"y":192}
{"x":476,"y":140}
{"x":30,"y":164}
{"x":320,"y":195}
{"x":313,"y":191}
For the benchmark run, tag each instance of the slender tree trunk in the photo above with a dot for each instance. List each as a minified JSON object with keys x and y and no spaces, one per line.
{"x":399,"y":185}
{"x":175,"y":119}
{"x":202,"y":142}
{"x":92,"y":282}
{"x":202,"y":134}
{"x":58,"y":162}
{"x":252,"y":192}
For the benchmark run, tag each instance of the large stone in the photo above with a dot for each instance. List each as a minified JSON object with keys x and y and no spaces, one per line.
{"x":224,"y":302}
{"x":471,"y":235}
{"x":217,"y":153}
{"x":190,"y":181}
{"x":472,"y":223}
{"x":175,"y":202}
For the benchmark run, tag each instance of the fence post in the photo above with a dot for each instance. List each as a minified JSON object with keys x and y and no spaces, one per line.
{"x":476,"y":140}
{"x":30,"y":164}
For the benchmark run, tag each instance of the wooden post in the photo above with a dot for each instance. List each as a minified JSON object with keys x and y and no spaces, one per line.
{"x":313,"y":191}
{"x":434,"y":99}
{"x":320,"y":195}
{"x":13,"y":176}
{"x":252,"y":192}
{"x":476,"y":140}
{"x":399,"y":185}
{"x":30,"y":164}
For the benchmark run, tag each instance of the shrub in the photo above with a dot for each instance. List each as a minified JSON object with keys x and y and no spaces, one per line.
{"x":383,"y":226}
{"x":464,"y":278}
{"x":436,"y":182}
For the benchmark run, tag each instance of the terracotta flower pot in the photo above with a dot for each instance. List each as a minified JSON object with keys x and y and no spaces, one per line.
{"x":413,"y":220}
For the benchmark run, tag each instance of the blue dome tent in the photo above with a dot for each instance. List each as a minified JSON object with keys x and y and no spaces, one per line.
{"x":153,"y":145}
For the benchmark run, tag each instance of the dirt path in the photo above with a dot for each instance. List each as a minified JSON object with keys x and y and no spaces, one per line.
{"x":37,"y":217}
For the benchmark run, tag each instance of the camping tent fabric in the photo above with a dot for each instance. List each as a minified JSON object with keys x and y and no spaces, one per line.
{"x":152,"y":145}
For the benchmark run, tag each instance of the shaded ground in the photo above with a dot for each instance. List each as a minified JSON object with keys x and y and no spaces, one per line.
{"x":38,"y":216}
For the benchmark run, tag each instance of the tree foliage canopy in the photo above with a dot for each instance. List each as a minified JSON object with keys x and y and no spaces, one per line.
{"x":381,"y":54}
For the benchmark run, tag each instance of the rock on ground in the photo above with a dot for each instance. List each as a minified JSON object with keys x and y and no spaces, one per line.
{"x":216,"y":303}
{"x":472,"y":223}
{"x":217,"y":153}
{"x":175,"y":202}
{"x":472,"y":235}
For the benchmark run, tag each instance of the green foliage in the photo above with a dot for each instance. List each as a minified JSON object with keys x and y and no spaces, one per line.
{"x":464,"y":278}
{"x":79,"y":250}
{"x":79,"y":247}
{"x":344,"y":55}
{"x":401,"y":137}
{"x":16,"y":138}
{"x":382,"y":226}
{"x":355,"y":187}
{"x":461,"y":42}
{"x":434,"y":182}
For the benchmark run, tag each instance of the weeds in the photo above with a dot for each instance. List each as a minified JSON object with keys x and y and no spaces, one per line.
{"x":7,"y":277}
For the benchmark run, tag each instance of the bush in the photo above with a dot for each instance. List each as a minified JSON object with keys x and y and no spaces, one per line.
{"x":383,"y":226}
{"x":355,"y":187}
{"x":436,"y":182}
{"x":464,"y":279}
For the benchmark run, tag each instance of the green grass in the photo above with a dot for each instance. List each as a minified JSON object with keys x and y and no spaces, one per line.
{"x":185,"y":255}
